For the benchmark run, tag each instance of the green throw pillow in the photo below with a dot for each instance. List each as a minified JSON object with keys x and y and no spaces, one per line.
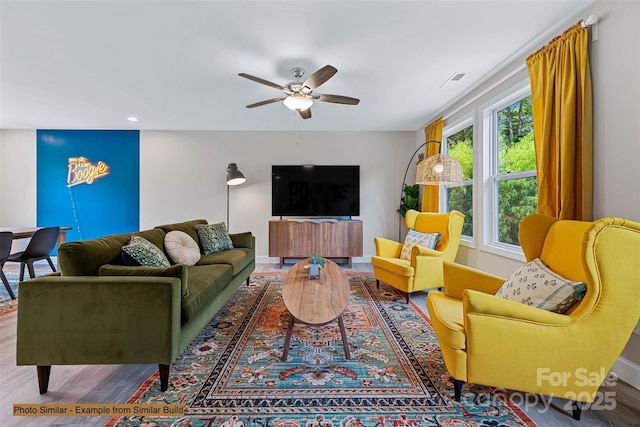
{"x":140,"y":251}
{"x":213,"y":238}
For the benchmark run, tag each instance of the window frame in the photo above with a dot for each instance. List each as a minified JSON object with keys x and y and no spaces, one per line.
{"x":490,"y":176}
{"x":449,"y":130}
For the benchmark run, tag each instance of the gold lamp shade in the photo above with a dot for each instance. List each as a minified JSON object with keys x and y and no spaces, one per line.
{"x":439,"y":169}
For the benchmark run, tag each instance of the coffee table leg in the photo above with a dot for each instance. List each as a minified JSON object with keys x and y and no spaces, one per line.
{"x":287,"y":340}
{"x":345,"y":344}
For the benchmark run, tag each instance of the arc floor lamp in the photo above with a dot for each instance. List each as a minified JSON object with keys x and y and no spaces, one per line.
{"x":234,"y":177}
{"x":438,"y":169}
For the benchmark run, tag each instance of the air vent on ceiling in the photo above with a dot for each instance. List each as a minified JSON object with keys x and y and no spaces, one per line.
{"x":456,"y":77}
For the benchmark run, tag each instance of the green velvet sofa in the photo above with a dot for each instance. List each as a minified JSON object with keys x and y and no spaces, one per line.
{"x":98,"y":311}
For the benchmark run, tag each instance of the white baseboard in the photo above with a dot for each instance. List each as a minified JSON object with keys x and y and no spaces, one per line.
{"x":627,"y":371}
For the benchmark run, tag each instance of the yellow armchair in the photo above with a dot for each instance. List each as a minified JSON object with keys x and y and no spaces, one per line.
{"x":424,"y":269}
{"x":492,"y":341}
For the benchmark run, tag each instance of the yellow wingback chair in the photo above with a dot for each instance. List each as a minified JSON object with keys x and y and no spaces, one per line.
{"x":492,"y":341}
{"x":424,"y":269}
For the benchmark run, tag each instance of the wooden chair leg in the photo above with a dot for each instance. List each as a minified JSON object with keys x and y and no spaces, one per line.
{"x":457,"y":389}
{"x":164,"y":377}
{"x":21,"y":271}
{"x":577,"y":410}
{"x":44,"y":372}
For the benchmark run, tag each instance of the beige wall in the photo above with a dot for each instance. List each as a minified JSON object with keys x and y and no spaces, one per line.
{"x":182,"y":176}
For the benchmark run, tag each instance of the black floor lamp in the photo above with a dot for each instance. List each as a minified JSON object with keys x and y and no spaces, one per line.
{"x":234,"y":177}
{"x":438,"y":169}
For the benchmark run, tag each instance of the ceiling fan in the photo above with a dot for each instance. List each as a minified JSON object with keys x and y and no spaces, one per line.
{"x":299,"y":95}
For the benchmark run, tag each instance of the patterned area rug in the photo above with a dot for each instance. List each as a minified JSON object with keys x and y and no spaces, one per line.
{"x":232,"y":375}
{"x":12,"y":272}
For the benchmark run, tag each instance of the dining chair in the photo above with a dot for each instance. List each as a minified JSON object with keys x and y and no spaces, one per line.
{"x":40,"y":246}
{"x":6,"y":238}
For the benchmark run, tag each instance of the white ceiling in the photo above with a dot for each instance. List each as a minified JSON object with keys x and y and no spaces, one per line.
{"x":89,"y":64}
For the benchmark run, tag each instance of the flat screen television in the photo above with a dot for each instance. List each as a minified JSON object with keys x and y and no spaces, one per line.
{"x":315,"y":191}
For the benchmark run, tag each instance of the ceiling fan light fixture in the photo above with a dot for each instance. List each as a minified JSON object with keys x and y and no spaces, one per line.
{"x":298,"y":102}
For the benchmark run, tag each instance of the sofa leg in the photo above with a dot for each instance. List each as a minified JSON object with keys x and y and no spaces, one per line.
{"x":457,"y":389}
{"x":377,"y":284}
{"x":408,"y":296}
{"x":164,"y":377}
{"x":577,"y":409}
{"x":248,"y":281}
{"x":44,"y":372}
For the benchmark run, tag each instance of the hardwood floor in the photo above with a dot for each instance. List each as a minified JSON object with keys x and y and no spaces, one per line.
{"x":116,"y":383}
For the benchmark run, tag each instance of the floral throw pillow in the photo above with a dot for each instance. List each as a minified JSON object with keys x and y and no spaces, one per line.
{"x":537,"y":285}
{"x":140,"y":251}
{"x":213,"y":238}
{"x":414,"y":238}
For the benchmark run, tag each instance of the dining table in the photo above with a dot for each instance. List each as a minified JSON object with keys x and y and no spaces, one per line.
{"x":27,"y":233}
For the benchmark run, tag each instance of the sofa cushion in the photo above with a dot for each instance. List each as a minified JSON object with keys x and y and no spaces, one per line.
{"x":537,"y":285}
{"x":205,"y":283}
{"x":85,"y":257}
{"x":213,"y":238}
{"x":140,"y":251}
{"x":181,"y":248}
{"x":186,"y":226}
{"x":180,"y":271}
{"x":446,"y":314}
{"x":237,"y":258}
{"x":242,"y":240}
{"x":414,"y":238}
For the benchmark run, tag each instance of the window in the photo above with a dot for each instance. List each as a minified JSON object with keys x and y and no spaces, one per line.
{"x":513,"y":187}
{"x":459,"y":145}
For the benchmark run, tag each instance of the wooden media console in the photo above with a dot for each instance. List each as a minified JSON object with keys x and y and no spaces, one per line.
{"x":299,"y":238}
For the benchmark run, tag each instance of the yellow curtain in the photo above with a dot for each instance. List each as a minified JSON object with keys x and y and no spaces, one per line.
{"x":432,"y":132}
{"x":562,"y":125}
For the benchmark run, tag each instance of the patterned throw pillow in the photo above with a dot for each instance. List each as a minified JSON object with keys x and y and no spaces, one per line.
{"x":140,"y":251}
{"x":537,"y":285}
{"x":181,"y":247}
{"x":428,"y":240}
{"x":213,"y":238}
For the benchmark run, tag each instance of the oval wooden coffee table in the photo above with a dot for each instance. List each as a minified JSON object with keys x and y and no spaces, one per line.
{"x":315,"y":302}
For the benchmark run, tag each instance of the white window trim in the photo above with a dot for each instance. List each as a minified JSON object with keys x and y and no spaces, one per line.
{"x":450,"y":129}
{"x":489,"y":242}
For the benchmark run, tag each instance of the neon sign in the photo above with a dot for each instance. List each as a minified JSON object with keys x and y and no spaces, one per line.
{"x":82,"y":171}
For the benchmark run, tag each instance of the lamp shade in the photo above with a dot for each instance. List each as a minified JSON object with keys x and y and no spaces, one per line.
{"x":234,"y":176}
{"x":297,"y":102}
{"x":439,"y":169}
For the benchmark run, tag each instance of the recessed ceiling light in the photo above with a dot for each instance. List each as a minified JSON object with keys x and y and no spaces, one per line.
{"x":132,"y":119}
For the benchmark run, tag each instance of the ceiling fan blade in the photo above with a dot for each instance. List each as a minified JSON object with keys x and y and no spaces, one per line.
{"x":305,"y":114}
{"x":320,"y":76}
{"x":259,"y":80}
{"x":336,"y":99}
{"x":268,"y":101}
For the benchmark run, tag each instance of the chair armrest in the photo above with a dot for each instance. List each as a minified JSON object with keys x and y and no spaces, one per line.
{"x":482,"y":304}
{"x":458,"y":278}
{"x":90,"y":319}
{"x":428,"y":267}
{"x":387,"y":248}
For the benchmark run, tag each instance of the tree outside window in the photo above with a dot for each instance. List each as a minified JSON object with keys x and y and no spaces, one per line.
{"x":514,"y":174}
{"x":459,"y":146}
